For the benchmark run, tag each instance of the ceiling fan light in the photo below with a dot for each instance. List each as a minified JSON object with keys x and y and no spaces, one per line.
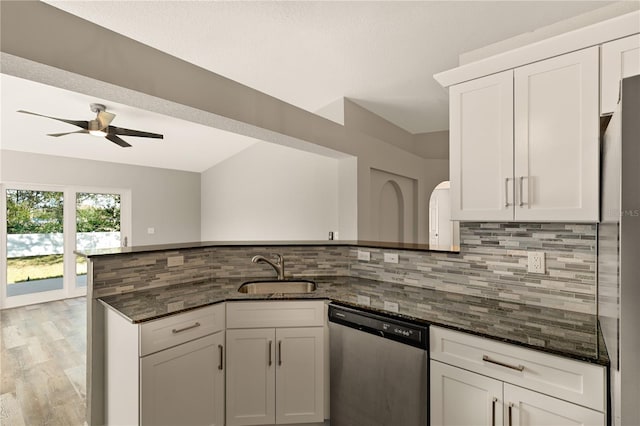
{"x":95,"y":129}
{"x":100,"y":133}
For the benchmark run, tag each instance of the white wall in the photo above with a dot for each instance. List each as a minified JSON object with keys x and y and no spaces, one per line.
{"x":166,"y":200}
{"x":270,"y":192}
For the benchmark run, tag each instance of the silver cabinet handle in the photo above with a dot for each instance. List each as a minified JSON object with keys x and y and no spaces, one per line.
{"x":522,"y":202}
{"x":521,"y":192}
{"x":270,"y":360}
{"x":502,"y":364}
{"x":493,"y":411}
{"x":506,"y":192}
{"x":221,"y":349}
{"x":189,"y":327}
{"x":510,"y":412}
{"x":279,"y":352}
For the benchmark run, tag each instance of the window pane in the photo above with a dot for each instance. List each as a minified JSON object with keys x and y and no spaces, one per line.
{"x":34,"y":241}
{"x":97,"y":226}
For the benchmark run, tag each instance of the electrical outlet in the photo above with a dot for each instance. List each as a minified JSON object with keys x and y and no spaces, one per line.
{"x":175,"y":261}
{"x":535,"y":262}
{"x":364,"y":255}
{"x":151,"y":231}
{"x":364,"y":300}
{"x":390,"y":306}
{"x":391,"y":257}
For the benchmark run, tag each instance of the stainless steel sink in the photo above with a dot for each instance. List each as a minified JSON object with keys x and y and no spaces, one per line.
{"x":277,"y":286}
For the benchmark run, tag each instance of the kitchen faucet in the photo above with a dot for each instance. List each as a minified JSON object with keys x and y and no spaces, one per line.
{"x":278,"y":265}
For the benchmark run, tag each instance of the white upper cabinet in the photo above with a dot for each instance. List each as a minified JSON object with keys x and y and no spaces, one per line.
{"x":619,"y":59}
{"x":524,"y":143}
{"x":556,"y":138}
{"x":481,"y":148}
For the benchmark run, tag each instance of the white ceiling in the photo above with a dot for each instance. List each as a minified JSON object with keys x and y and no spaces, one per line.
{"x":308,"y":53}
{"x":21,"y":132}
{"x":311,"y":53}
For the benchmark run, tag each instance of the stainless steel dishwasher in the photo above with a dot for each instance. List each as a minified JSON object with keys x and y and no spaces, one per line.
{"x":379,"y":370}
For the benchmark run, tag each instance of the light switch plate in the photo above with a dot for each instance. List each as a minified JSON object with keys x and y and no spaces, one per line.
{"x":391,"y":257}
{"x":390,"y":306}
{"x":535,"y":262}
{"x":364,"y":255}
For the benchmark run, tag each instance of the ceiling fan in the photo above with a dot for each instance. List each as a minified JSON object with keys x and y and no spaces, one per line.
{"x":100,"y":126}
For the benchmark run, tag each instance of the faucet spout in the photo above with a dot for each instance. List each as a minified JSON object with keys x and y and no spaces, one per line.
{"x":278,"y":265}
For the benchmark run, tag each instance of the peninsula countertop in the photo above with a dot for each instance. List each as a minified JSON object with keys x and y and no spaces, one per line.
{"x":570,"y":334}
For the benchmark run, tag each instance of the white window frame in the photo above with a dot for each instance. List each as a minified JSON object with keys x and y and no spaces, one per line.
{"x":69,"y":231}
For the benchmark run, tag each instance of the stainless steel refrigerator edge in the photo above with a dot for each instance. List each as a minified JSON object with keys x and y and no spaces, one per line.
{"x":619,"y":254}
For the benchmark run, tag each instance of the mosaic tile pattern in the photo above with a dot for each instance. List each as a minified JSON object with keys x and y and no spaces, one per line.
{"x":493,"y":263}
{"x":132,"y":272}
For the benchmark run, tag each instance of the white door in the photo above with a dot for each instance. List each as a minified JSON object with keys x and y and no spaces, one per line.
{"x":557,"y":138}
{"x":441,"y":227}
{"x":527,"y":408}
{"x":481,"y":148}
{"x":184,"y":385}
{"x":251,"y":376}
{"x":462,"y":398}
{"x":300,"y":375}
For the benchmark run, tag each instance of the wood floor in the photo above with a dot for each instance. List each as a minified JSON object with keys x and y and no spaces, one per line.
{"x":43,"y":364}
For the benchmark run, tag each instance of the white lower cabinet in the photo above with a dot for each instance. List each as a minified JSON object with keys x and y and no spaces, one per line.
{"x":169,"y":371}
{"x":476,"y":381}
{"x":275,"y":375}
{"x":462,"y":398}
{"x":184,"y":385}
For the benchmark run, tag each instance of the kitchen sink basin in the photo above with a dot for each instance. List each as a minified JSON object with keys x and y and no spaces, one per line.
{"x":277,"y":286}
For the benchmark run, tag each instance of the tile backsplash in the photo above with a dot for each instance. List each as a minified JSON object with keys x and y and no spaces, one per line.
{"x":492,"y":263}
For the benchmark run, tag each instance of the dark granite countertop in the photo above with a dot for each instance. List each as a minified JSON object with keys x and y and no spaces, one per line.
{"x":204,"y":244}
{"x":570,"y":334}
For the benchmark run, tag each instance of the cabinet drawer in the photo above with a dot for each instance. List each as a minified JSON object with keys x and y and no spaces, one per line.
{"x":174,"y":330}
{"x":574,"y":381}
{"x":275,"y":314}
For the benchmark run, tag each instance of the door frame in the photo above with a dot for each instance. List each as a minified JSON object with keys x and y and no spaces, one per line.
{"x":69,"y":288}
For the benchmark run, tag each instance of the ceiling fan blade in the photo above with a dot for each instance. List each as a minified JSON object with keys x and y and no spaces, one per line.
{"x":67,"y":133}
{"x":82,"y":124}
{"x":117,"y":140}
{"x":105,"y":118}
{"x":129,"y":132}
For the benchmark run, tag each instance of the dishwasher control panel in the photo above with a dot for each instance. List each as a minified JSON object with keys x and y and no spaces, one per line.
{"x":398,"y":330}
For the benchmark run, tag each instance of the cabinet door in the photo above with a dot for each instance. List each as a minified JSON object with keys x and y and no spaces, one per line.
{"x":300,"y":375}
{"x":527,"y":408}
{"x":618,"y":59}
{"x":184,"y":384}
{"x":251,"y":377}
{"x":462,"y":398}
{"x":556,"y":138}
{"x":481,"y":148}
